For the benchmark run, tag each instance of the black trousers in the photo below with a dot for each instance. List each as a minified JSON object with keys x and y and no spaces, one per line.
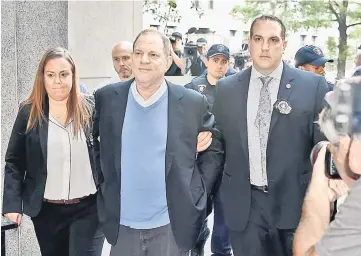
{"x":69,"y":230}
{"x":261,"y":237}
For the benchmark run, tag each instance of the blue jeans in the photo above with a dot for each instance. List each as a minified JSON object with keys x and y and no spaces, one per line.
{"x":220,"y":243}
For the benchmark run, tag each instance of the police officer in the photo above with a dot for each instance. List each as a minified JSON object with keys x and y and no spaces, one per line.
{"x":198,"y":64}
{"x":311,"y":58}
{"x":177,"y":65}
{"x":217,"y":61}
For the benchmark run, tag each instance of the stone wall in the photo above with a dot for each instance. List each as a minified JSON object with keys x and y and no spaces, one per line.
{"x":28,"y":29}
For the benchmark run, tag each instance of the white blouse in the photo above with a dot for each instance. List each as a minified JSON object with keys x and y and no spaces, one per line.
{"x":69,"y":171}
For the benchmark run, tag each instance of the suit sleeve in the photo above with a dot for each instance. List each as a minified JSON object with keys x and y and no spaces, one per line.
{"x":322,"y":89}
{"x":15,"y":165}
{"x":210,"y":162}
{"x":96,"y":142}
{"x":189,"y":86}
{"x":357,"y":72}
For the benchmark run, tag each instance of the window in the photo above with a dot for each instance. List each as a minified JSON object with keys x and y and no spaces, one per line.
{"x":196,"y":4}
{"x":155,"y":26}
{"x":303,"y":40}
{"x":232,"y":33}
{"x":245,"y":36}
{"x":314,"y":38}
{"x":170,"y":30}
{"x":210,"y":4}
{"x":203,"y":31}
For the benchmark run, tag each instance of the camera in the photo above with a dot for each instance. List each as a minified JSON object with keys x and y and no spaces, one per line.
{"x":189,"y":55}
{"x":242,"y":57}
{"x":172,"y":39}
{"x":330,"y":168}
{"x":190,"y":50}
{"x":341,"y":116}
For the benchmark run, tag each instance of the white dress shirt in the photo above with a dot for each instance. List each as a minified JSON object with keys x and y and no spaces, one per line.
{"x":69,"y":173}
{"x":254,"y":148}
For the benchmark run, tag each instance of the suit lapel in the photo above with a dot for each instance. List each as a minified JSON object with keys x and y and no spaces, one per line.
{"x":243,"y":86}
{"x":174,"y":122}
{"x":43,"y":131}
{"x":119,"y":106}
{"x":284,"y":92}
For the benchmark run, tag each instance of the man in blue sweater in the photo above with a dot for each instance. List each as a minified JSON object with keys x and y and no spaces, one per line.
{"x":154,"y":195}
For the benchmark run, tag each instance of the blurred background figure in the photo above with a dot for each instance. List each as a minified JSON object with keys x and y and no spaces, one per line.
{"x":177,"y":65}
{"x":121,"y":57}
{"x":311,"y":58}
{"x":198,"y":65}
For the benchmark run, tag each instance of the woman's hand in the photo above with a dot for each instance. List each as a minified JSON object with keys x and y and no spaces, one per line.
{"x":14,"y":217}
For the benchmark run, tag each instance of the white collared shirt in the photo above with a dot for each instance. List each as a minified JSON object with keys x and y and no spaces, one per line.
{"x":152,"y":99}
{"x":69,"y":173}
{"x":254,"y":148}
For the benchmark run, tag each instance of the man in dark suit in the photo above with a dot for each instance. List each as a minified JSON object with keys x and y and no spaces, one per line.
{"x":267,"y":116}
{"x":154,"y":195}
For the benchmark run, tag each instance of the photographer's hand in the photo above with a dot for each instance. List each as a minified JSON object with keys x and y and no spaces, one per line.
{"x":336,"y":189}
{"x":340,"y":156}
{"x":316,"y":208}
{"x":177,"y":60}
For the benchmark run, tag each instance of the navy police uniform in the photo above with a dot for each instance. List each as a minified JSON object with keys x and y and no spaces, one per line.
{"x":201,"y":85}
{"x":220,"y":243}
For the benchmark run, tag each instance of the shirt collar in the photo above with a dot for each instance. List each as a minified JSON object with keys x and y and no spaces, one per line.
{"x":276,"y":74}
{"x":152,"y":99}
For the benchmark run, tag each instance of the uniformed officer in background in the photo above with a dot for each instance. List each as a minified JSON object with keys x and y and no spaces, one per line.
{"x":217,"y":62}
{"x":311,"y":58}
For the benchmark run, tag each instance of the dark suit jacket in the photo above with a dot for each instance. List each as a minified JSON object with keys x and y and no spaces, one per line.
{"x":291,"y":139}
{"x":357,"y":72}
{"x":26,"y":165}
{"x":188,"y":181}
{"x":198,"y":67}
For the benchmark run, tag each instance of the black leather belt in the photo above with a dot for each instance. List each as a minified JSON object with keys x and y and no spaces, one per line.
{"x":263,"y":188}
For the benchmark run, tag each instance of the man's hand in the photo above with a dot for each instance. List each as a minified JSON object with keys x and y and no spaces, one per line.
{"x":177,"y":60}
{"x":316,"y":208}
{"x":14,"y":217}
{"x":204,"y":141}
{"x":334,"y":188}
{"x":343,"y":160}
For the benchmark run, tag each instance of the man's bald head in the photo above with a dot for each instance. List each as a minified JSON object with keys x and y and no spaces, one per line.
{"x":358,"y":59}
{"x":123,"y":45}
{"x":121,"y":55}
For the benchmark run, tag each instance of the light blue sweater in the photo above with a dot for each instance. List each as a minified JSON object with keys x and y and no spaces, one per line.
{"x":144,"y":139}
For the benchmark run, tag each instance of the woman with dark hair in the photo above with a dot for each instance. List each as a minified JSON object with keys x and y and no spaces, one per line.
{"x":49,"y":170}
